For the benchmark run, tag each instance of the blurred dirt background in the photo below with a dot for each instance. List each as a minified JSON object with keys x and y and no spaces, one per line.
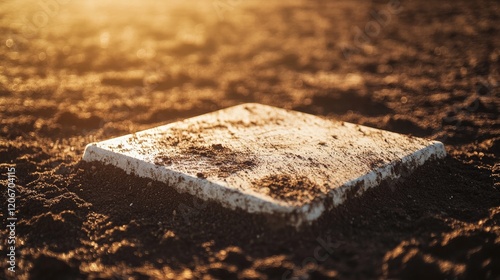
{"x":76,"y":72}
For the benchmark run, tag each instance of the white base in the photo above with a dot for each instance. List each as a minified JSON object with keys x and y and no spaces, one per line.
{"x":337,"y":158}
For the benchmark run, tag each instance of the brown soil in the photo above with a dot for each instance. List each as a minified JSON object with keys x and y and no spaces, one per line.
{"x":290,"y":188}
{"x":92,"y":71}
{"x":224,"y":160}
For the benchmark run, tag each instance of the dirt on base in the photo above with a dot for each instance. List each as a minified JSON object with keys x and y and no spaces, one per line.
{"x":290,"y":188}
{"x":74,"y":73}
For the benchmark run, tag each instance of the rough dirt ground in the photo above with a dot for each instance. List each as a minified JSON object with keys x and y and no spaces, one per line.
{"x":73,"y":73}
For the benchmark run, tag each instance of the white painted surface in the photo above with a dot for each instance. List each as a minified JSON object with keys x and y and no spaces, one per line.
{"x":336,"y":157}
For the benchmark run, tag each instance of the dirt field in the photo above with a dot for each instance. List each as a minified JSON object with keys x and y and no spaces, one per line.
{"x":76,"y":72}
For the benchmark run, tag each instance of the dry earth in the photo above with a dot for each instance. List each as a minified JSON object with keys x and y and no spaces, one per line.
{"x":77,"y":72}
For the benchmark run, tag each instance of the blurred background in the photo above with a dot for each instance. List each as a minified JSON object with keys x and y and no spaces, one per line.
{"x":102,"y":64}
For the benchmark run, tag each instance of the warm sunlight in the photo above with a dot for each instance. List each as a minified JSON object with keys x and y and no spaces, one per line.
{"x":249,"y":139}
